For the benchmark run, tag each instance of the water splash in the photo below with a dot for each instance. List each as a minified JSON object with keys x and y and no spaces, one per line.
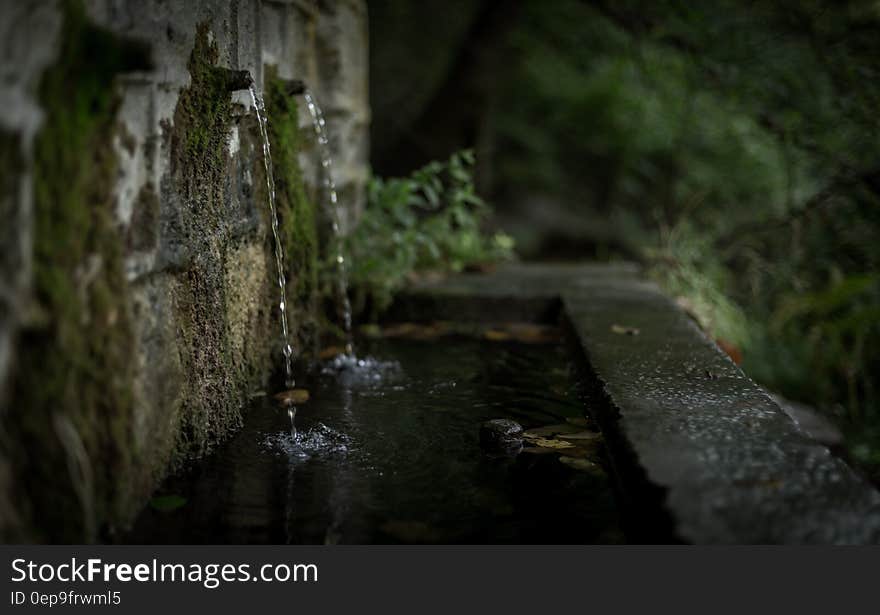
{"x":263,"y":121}
{"x":319,"y":440}
{"x":291,"y":414}
{"x":319,"y":126}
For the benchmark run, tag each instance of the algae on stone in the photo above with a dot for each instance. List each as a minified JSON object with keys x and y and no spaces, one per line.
{"x":217,"y":377}
{"x":72,"y":383}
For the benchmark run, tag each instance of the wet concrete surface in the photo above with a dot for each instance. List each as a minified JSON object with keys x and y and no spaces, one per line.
{"x":703,"y":454}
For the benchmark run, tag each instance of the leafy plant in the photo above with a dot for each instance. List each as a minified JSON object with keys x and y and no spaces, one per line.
{"x":430,"y":221}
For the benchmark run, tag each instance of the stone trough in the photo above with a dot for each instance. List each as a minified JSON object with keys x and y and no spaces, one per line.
{"x":701,"y":453}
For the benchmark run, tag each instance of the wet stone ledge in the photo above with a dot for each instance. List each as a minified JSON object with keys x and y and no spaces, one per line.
{"x":701,"y":453}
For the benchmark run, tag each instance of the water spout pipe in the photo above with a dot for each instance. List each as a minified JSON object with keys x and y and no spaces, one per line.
{"x":237,"y":79}
{"x":294,"y":87}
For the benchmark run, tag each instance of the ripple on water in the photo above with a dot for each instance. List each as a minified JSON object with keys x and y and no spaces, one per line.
{"x":352,"y":371}
{"x":319,"y":440}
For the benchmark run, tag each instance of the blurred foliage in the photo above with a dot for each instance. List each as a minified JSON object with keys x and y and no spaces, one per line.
{"x":427,"y":222}
{"x":735,"y":145}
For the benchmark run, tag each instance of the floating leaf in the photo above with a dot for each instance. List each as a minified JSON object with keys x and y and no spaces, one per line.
{"x":402,"y":329}
{"x":167,"y":503}
{"x":292,"y":397}
{"x":496,"y":335}
{"x":330,"y":351}
{"x":552,"y":443}
{"x":529,"y":333}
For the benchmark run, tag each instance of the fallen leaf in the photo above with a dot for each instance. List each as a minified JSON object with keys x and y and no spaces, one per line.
{"x":167,"y":503}
{"x":496,"y":335}
{"x":622,"y":330}
{"x":731,"y":350}
{"x":552,"y":443}
{"x":529,"y":333}
{"x":330,"y":351}
{"x":400,"y":329}
{"x":292,"y":397}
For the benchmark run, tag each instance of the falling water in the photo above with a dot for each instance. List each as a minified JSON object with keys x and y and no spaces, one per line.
{"x":262,"y":120}
{"x":330,"y":190}
{"x":291,"y":413}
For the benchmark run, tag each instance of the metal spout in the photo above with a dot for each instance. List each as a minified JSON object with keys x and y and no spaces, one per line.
{"x":294,"y":87}
{"x":237,"y":79}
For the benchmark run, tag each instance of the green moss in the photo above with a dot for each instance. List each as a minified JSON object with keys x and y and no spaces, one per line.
{"x":296,"y":213}
{"x":202,"y":119}
{"x":76,"y":366}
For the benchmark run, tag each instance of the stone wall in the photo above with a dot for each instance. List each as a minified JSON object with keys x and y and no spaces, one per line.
{"x":137,"y":306}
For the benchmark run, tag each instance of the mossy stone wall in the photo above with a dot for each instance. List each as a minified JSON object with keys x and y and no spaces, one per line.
{"x":151,"y":315}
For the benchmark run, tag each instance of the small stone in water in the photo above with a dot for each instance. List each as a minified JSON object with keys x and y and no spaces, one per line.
{"x":624,"y":330}
{"x":501,"y":434}
{"x":292,"y":397}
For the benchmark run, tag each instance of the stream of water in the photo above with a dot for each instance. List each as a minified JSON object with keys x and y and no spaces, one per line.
{"x":262,"y":120}
{"x":329,"y":185}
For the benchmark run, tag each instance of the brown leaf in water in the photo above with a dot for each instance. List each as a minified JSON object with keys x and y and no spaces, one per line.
{"x":330,"y":351}
{"x":497,"y":335}
{"x":529,"y":333}
{"x":552,"y":443}
{"x":416,"y":331}
{"x":622,"y":330}
{"x":292,"y":397}
{"x":401,"y":329}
